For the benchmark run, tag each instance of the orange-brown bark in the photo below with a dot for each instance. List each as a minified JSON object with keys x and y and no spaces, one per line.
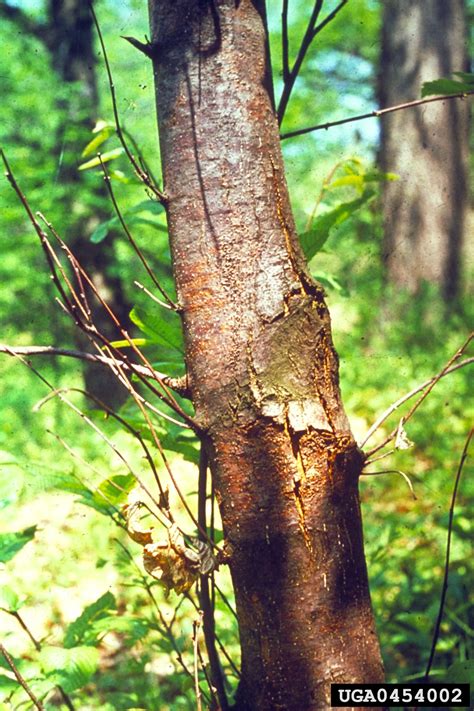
{"x":262,"y":369}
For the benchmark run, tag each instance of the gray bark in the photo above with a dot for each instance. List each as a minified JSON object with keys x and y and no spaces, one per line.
{"x":425,"y":211}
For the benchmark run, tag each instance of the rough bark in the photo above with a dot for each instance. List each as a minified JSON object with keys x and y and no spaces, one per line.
{"x":262,"y":367}
{"x":425,"y":211}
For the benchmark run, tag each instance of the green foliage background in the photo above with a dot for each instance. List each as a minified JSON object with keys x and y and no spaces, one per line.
{"x":103,"y":638}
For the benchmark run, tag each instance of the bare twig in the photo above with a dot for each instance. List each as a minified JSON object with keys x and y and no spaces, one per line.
{"x":143,"y":176}
{"x":293,"y":73}
{"x":130,"y":238}
{"x":312,"y":30}
{"x":426,"y":387}
{"x":197,"y":689}
{"x":176,"y":384}
{"x":204,"y":596}
{"x":152,"y":296}
{"x":448,"y":552}
{"x":376,"y":113}
{"x":20,"y":679}
{"x":393,"y":471}
{"x":285,"y":48}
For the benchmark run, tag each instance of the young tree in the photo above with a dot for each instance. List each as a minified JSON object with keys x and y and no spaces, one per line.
{"x":262,"y":369}
{"x":424,"y":228}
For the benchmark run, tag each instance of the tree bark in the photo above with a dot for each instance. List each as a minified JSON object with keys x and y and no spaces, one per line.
{"x":425,"y":211}
{"x":262,"y":368}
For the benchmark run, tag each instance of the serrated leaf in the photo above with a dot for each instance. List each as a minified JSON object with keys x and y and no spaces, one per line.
{"x":77,"y":631}
{"x":70,"y":668}
{"x":9,"y":600}
{"x":150,"y":322}
{"x":12,"y":543}
{"x":104,"y":158}
{"x":445,"y":87}
{"x":314,"y":239}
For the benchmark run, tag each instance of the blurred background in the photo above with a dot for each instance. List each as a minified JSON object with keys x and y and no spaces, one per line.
{"x":392,"y":197}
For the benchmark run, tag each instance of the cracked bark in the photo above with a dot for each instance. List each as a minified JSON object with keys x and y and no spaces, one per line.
{"x":263,"y":372}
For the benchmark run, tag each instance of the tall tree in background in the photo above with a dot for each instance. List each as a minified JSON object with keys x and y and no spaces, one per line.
{"x":262,"y":369}
{"x":68,"y":35}
{"x":425,"y":210}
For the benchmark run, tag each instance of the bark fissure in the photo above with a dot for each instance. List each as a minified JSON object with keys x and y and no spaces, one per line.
{"x":262,"y":369}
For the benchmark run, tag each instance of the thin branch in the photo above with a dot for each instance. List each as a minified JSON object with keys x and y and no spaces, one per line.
{"x":393,"y":471}
{"x":143,"y":176}
{"x":176,"y":384}
{"x":448,"y":553}
{"x":419,"y":388}
{"x":208,"y":621}
{"x":152,"y":296}
{"x":285,"y":46}
{"x":312,"y":30}
{"x":135,"y":247}
{"x":197,"y":690}
{"x":373,"y":114}
{"x":304,"y":46}
{"x":19,"y":678}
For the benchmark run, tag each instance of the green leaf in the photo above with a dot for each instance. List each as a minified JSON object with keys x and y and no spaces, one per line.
{"x":314,"y":239}
{"x":150,"y":322}
{"x":102,"y":230}
{"x":126,"y":343}
{"x":133,"y":627}
{"x":101,"y":136}
{"x":115,"y":490}
{"x":445,"y":87}
{"x":104,"y":158}
{"x":11,"y":543}
{"x":152,"y":206}
{"x":77,"y":631}
{"x":7,"y":686}
{"x":70,"y":668}
{"x":461,"y":673}
{"x":9,"y":600}
{"x":467,"y":77}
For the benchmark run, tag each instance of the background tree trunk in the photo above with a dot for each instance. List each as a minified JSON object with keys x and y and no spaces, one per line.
{"x":68,"y":34}
{"x":262,"y":368}
{"x":71,"y":43}
{"x":423,"y":40}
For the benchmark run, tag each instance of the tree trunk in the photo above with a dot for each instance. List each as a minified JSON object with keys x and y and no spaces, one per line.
{"x":262,"y":368}
{"x":425,"y":211}
{"x":70,"y":40}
